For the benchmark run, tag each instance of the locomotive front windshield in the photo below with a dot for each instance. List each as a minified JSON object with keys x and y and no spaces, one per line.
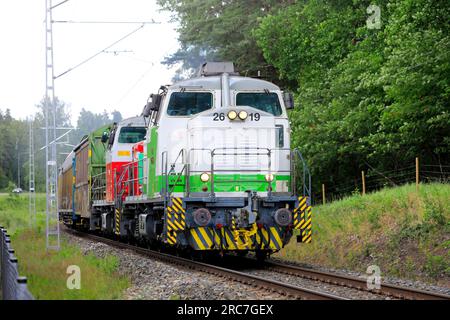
{"x":189,"y":103}
{"x":132,"y":134}
{"x":267,"y":102}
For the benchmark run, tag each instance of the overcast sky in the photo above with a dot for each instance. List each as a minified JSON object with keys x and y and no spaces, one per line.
{"x":110,"y":81}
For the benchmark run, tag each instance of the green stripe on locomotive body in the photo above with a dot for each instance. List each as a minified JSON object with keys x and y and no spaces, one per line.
{"x":223,"y":183}
{"x":154,"y":185}
{"x":237,"y":183}
{"x":97,"y":163}
{"x":141,"y":164}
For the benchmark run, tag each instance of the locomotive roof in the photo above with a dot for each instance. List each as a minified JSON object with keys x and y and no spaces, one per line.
{"x":236,"y":83}
{"x":136,"y":121}
{"x":67,"y":164}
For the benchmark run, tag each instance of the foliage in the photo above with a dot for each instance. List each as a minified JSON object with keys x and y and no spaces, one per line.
{"x":89,"y":121}
{"x":404,"y":232}
{"x":220,"y":30}
{"x":46,"y":271}
{"x":15,"y":141}
{"x":368,"y":98}
{"x":191,"y":58}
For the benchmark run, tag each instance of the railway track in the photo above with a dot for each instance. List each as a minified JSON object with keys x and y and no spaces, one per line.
{"x":354,"y":282}
{"x":229,"y":274}
{"x":274,"y":285}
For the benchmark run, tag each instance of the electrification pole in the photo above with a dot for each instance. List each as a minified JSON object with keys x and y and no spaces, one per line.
{"x":51,"y":169}
{"x":51,"y":138}
{"x":32,"y":190}
{"x":18,"y":162}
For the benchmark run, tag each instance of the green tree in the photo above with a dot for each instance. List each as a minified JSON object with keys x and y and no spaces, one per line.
{"x":14,"y":146}
{"x":62,"y":120}
{"x":369,"y":98}
{"x":222,"y":30}
{"x":89,"y":121}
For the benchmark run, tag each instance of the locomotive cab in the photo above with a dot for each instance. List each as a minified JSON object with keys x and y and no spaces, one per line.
{"x":219,"y":155}
{"x":119,"y":153}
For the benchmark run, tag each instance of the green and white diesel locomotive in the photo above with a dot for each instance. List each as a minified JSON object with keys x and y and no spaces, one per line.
{"x":215,"y":171}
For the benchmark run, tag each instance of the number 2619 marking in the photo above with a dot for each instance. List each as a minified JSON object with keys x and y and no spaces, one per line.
{"x":221,"y":116}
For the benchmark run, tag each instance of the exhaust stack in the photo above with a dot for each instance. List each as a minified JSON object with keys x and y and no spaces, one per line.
{"x":224,"y":69}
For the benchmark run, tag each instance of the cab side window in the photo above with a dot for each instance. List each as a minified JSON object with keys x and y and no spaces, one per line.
{"x":132,"y":134}
{"x":267,"y":102}
{"x":189,"y":103}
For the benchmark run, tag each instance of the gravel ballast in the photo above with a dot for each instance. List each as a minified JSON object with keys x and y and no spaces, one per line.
{"x":155,"y":280}
{"x":418,"y":285}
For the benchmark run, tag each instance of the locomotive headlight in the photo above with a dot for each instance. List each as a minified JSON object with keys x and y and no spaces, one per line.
{"x":269,"y":177}
{"x":204,"y":177}
{"x":243,"y":115}
{"x":232,"y":115}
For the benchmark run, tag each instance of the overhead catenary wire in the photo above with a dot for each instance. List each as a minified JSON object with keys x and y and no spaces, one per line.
{"x":138,"y":81}
{"x":100,"y":52}
{"x":58,"y":4}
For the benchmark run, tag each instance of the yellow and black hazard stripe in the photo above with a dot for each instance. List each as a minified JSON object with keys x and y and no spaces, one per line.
{"x":222,"y":239}
{"x":235,"y":240}
{"x":270,"y":238}
{"x":117,"y":221}
{"x":299,"y":212}
{"x":306,"y":231}
{"x":203,"y":238}
{"x":303,"y":219}
{"x":171,"y":237}
{"x":175,"y":220}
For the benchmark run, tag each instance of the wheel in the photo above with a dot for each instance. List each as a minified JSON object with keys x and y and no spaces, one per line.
{"x":261,"y":256}
{"x":242,"y":253}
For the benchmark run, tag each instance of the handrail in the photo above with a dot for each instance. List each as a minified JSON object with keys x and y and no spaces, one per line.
{"x":98,"y":185}
{"x":118,"y":186}
{"x":297,"y":163}
{"x":178,"y":178}
{"x":172,"y":166}
{"x":224,"y":153}
{"x":166,"y":173}
{"x":306,"y":185}
{"x":236,"y":151}
{"x":130,"y":182}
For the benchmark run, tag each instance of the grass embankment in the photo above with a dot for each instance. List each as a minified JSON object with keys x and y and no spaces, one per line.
{"x":405,"y":233}
{"x":46,"y":271}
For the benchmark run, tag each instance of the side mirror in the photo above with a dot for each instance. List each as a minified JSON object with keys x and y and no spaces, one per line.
{"x":288,"y":98}
{"x":156,"y":102}
{"x":152,"y":105}
{"x":147,"y":110}
{"x":111,"y":138}
{"x":105,"y":137}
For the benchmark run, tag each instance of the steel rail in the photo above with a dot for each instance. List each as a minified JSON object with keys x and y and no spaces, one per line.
{"x":354,"y":282}
{"x":259,"y":282}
